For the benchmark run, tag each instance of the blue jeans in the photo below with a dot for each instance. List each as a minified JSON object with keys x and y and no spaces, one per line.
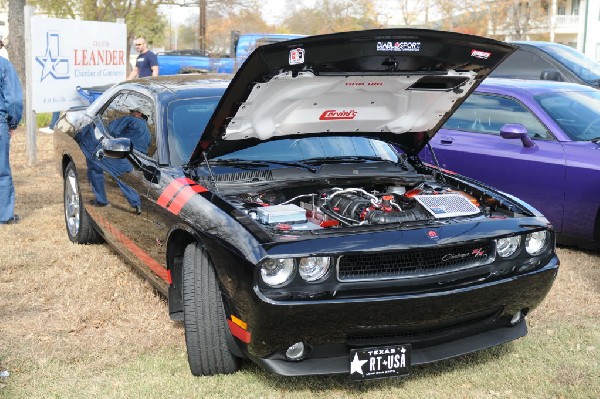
{"x":55,"y":116}
{"x":7,"y":189}
{"x":115,"y":167}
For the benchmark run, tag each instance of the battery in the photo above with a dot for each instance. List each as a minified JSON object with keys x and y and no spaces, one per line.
{"x":288,"y":213}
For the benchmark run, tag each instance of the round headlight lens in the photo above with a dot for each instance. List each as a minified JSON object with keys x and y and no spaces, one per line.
{"x":277,"y":272}
{"x":313,"y":268}
{"x":536,"y":242}
{"x":507,"y":246}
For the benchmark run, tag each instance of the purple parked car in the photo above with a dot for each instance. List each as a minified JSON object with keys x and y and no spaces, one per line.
{"x":539,"y":141}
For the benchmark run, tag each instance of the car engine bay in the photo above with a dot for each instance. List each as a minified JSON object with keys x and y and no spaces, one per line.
{"x":297,"y":210}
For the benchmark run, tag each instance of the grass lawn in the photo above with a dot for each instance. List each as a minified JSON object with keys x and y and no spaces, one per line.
{"x":78,"y":322}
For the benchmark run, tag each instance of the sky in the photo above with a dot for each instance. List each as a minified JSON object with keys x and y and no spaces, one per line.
{"x":274,"y":10}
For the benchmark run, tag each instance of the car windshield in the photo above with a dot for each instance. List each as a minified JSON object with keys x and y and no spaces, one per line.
{"x":186,"y":120}
{"x":586,"y":68}
{"x":317,"y":149}
{"x":576,"y":112}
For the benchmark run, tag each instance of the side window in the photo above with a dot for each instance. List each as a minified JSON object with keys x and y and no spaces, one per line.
{"x":132,"y":115}
{"x":485,"y":113}
{"x":522,"y":64}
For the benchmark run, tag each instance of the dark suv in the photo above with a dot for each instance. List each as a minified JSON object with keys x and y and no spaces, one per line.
{"x":549,"y":61}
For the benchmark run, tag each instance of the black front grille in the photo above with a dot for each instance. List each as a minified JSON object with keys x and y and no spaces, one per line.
{"x":412,"y":263}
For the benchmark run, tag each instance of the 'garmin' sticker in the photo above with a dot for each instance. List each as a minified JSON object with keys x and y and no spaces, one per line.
{"x":398,"y":46}
{"x":484,"y":55}
{"x":297,"y":56}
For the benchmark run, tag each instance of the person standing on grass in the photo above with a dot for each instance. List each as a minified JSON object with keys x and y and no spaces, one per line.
{"x":146,"y":63}
{"x":11,"y":111}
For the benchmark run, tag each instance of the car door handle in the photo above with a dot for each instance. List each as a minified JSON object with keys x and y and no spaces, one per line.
{"x":446,"y":140}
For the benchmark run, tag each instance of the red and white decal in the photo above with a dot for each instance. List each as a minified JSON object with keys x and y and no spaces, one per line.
{"x":297,"y":56}
{"x":484,"y":55}
{"x":334,"y":114}
{"x":479,"y":253}
{"x":178,"y":193}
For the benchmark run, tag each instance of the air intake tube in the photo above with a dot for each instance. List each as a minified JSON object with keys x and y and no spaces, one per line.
{"x":411,"y":215}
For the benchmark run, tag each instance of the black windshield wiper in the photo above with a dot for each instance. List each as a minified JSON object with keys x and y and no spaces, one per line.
{"x":246,"y":162}
{"x":353,"y":159}
{"x":341,"y":159}
{"x":595,"y":140}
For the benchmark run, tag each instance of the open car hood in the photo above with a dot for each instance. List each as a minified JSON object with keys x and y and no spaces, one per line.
{"x":397,"y":85}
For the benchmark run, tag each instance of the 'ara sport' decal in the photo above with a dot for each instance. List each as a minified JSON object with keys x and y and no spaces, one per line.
{"x":178,"y":193}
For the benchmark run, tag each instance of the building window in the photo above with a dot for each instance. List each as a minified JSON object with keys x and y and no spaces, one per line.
{"x":575,"y":7}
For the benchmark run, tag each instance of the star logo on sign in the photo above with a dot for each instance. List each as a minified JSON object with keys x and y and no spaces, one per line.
{"x":356,"y":365}
{"x":52,"y":63}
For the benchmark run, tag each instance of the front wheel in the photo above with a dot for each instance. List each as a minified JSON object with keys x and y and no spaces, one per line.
{"x":204,"y":316}
{"x":78,"y":222}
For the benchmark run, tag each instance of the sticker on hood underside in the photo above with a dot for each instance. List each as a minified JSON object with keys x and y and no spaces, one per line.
{"x":297,"y":56}
{"x":333,"y":114}
{"x":484,"y":55}
{"x":399,"y":46}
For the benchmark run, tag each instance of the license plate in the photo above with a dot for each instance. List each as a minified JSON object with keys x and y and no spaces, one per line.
{"x":383,"y":362}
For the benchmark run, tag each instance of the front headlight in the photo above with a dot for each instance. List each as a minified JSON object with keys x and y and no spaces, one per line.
{"x":313,"y":268}
{"x":277,"y":272}
{"x":535,"y":243}
{"x":507,"y":246}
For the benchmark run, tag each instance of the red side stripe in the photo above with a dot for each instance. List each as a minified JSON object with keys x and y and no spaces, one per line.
{"x":239,"y":332}
{"x":153,"y":265}
{"x":167,"y":195}
{"x":183,"y":197}
{"x":180,"y":200}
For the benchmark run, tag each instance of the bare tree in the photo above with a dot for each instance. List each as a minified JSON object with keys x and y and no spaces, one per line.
{"x":412,"y":11}
{"x":16,"y":43}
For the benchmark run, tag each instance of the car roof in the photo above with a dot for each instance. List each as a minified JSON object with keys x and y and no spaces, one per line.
{"x":533,"y":87}
{"x":174,"y":83}
{"x":535,"y":43}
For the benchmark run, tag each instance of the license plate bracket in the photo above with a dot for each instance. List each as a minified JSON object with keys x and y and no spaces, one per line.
{"x":380,"y":362}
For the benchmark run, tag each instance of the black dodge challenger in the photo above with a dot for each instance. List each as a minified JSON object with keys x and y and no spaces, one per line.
{"x":286,"y":215}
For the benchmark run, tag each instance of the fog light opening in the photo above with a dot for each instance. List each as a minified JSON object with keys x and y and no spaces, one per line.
{"x":516,"y":318}
{"x":296,"y":352}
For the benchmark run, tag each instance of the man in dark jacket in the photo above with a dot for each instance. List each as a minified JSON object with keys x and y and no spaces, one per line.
{"x":11,"y":111}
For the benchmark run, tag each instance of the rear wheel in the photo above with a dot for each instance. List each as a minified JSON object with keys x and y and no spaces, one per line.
{"x":78,"y":222}
{"x":204,"y":316}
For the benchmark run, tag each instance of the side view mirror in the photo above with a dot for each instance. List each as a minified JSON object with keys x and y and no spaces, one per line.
{"x":516,"y":131}
{"x":551,"y":74}
{"x":117,"y":148}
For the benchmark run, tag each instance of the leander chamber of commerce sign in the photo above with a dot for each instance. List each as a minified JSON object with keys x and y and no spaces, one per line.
{"x":68,"y":53}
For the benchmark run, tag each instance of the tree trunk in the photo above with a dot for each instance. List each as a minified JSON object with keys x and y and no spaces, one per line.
{"x":16,"y":42}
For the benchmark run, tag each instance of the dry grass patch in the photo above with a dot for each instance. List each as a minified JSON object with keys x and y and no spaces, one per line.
{"x":63,"y":302}
{"x":76,"y":321}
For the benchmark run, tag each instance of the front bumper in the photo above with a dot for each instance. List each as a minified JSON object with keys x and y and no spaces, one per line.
{"x":438,"y":325}
{"x":336,"y":359}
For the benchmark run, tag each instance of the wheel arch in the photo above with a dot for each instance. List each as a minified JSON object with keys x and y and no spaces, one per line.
{"x":65,"y":161}
{"x":178,"y":240}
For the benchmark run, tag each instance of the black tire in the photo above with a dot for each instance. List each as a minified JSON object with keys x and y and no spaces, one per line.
{"x":78,"y":223}
{"x":204,"y":316}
